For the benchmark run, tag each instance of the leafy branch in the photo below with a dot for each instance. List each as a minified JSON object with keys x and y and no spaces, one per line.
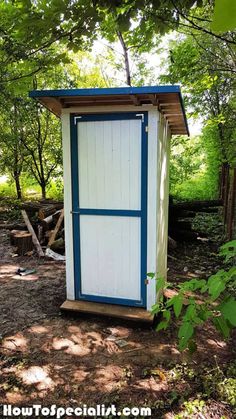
{"x":213,"y":302}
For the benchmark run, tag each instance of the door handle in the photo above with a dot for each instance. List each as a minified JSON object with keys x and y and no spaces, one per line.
{"x":75,"y":212}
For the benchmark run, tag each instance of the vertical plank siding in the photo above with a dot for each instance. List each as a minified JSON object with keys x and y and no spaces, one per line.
{"x":109,"y":164}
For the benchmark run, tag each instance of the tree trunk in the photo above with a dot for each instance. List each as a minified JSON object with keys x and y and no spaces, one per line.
{"x":18,"y":186}
{"x":43,"y":189}
{"x":126,"y":58}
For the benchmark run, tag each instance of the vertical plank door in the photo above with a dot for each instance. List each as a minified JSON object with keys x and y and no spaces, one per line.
{"x":109,"y":207}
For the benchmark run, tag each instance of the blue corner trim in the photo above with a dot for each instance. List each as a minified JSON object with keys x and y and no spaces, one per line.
{"x":77,"y":211}
{"x":105,"y":91}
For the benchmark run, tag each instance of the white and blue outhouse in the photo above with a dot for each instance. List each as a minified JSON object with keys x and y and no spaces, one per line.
{"x":116,"y":145}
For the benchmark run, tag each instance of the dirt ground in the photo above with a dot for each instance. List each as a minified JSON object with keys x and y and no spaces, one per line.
{"x":49,"y":357}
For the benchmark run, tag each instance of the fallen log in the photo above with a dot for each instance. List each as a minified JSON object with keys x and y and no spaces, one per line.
{"x":42,"y":208}
{"x":34,"y":237}
{"x":196,"y":205}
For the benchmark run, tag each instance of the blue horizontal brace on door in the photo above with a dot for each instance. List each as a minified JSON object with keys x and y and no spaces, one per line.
{"x":108,"y":117}
{"x":110,"y":300}
{"x":119,"y":213}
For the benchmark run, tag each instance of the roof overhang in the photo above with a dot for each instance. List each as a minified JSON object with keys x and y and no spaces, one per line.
{"x":167,"y":99}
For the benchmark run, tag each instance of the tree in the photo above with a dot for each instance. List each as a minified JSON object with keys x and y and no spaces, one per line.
{"x":42,"y":144}
{"x":210,"y":89}
{"x":11,"y":146}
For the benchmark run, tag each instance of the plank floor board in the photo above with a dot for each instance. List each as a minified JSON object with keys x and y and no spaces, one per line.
{"x":110,"y":310}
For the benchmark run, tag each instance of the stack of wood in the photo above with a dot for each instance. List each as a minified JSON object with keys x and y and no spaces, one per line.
{"x":45,"y":229}
{"x":182,"y":214}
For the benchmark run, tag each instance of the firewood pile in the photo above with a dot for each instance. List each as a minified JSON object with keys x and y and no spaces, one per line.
{"x":42,"y":230}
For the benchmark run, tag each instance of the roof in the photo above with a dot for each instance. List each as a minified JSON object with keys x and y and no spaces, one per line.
{"x":168,"y":99}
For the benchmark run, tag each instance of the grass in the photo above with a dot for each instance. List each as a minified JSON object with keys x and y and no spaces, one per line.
{"x":31,"y":190}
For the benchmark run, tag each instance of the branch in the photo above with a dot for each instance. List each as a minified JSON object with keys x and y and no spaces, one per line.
{"x":200,"y":28}
{"x":126,"y":57}
{"x":21,"y":76}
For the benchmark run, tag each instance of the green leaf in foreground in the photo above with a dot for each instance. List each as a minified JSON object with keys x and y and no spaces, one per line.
{"x":221,"y":325}
{"x":228,"y":309}
{"x":185,"y":333}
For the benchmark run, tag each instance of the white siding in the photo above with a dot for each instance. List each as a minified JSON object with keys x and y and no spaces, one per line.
{"x":70,"y":287}
{"x":110,"y":256}
{"x":110,"y":164}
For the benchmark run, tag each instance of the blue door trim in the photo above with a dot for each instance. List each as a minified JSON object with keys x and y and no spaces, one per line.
{"x":77,"y":211}
{"x":115,"y":212}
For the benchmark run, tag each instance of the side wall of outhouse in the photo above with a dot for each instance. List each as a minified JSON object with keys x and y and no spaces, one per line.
{"x":157,"y":192}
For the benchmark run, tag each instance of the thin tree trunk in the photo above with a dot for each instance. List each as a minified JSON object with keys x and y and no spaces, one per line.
{"x":126,"y":58}
{"x":43,"y":190}
{"x":18,"y":185}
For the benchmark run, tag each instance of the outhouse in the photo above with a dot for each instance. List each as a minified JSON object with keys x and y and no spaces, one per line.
{"x":116,"y":146}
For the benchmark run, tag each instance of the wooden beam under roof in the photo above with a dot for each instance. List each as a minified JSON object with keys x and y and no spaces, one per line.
{"x":135,"y":100}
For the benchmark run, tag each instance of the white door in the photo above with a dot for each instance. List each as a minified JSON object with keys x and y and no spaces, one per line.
{"x":109,"y":207}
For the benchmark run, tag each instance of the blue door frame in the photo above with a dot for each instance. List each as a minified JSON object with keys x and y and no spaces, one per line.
{"x":77,"y":211}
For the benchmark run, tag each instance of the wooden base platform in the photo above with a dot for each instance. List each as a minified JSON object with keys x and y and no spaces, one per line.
{"x":109,"y":310}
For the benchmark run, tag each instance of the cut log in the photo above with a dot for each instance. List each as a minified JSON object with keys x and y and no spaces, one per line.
{"x":57,"y":228}
{"x":46,"y":211}
{"x":34,"y":237}
{"x":51,"y":219}
{"x":22,"y":240}
{"x":42,"y":208}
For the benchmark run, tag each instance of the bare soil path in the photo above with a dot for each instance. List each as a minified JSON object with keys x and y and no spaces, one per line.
{"x":47,"y":357}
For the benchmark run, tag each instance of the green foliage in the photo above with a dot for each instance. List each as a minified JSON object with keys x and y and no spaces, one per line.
{"x":205,"y":66}
{"x":216,"y":304}
{"x":190,"y":408}
{"x":224,"y":17}
{"x":194,"y":166}
{"x":220,"y":384}
{"x":228,"y":250}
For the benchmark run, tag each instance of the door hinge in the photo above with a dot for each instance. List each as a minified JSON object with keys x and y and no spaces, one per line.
{"x":146,"y":281}
{"x":146,"y":128}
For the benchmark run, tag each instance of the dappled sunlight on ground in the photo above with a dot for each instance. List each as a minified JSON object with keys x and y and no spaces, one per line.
{"x":39,"y":376}
{"x":73,"y":357}
{"x":52,"y":358}
{"x":16,"y":342}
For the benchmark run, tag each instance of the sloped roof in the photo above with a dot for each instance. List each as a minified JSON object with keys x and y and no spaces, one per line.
{"x":168,"y":99}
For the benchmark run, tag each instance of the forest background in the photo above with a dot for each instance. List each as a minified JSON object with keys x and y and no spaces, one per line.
{"x":67,"y":44}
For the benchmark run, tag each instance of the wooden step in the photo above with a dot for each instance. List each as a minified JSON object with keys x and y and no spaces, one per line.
{"x":109,"y":310}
